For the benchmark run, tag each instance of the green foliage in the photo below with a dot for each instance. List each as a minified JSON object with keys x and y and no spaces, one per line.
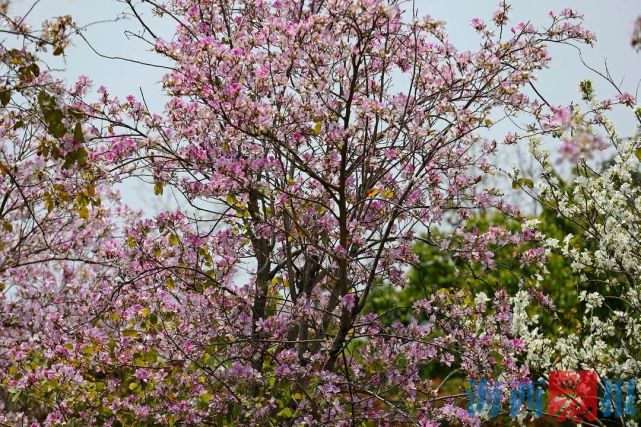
{"x":56,"y":120}
{"x":438,"y":270}
{"x":587,"y":91}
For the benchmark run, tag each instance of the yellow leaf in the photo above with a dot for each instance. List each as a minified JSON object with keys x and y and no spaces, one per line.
{"x":49,"y":202}
{"x":158,"y":189}
{"x":317,"y":129}
{"x":286,"y":413}
{"x":130,"y":333}
{"x":133,"y":386}
{"x":387,"y":193}
{"x":82,"y":199}
{"x":205,"y":397}
{"x":144,"y":312}
{"x":208,"y":260}
{"x":373,"y":193}
{"x":173,"y":240}
{"x":83,"y":212}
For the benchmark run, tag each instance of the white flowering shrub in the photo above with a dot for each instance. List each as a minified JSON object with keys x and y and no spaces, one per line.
{"x":603,"y":201}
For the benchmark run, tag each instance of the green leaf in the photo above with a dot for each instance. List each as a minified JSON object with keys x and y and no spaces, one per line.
{"x":637,"y":153}
{"x":78,"y":135}
{"x":44,"y":100}
{"x":317,"y":129}
{"x":82,"y":199}
{"x":7,"y":226}
{"x":78,"y":157}
{"x":205,"y":397}
{"x":173,"y":240}
{"x":26,"y":74}
{"x":522,"y":182}
{"x":54,"y":117}
{"x":286,"y":413}
{"x":586,"y":90}
{"x":151,"y":356}
{"x":35,"y":70}
{"x":527,"y":182}
{"x":5,"y":97}
{"x":130,"y":333}
{"x":153,"y":318}
{"x":89,"y":350}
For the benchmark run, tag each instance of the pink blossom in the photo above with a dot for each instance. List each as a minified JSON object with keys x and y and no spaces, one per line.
{"x":477,"y":23}
{"x":561,"y":116}
{"x":348,"y":301}
{"x":626,"y":98}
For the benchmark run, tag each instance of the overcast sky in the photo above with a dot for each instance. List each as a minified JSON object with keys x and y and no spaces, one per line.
{"x":611,"y":20}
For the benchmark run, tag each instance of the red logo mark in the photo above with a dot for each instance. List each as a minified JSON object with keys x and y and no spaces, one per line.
{"x":573,"y":395}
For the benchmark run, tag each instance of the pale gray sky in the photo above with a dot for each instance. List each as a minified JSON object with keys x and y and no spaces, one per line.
{"x":611,"y":20}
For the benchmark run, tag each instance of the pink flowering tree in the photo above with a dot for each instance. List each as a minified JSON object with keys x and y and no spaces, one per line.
{"x":57,"y":209}
{"x":309,"y":144}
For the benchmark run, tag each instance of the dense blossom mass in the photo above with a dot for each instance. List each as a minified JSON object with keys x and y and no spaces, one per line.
{"x":310,"y":145}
